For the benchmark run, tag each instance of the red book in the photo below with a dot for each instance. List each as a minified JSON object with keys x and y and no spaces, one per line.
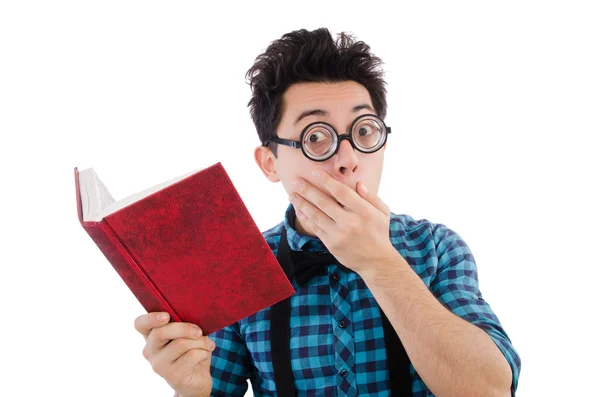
{"x":188,"y":247}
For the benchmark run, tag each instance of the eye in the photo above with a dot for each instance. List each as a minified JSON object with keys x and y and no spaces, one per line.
{"x":368,"y":134}
{"x":365,"y":130}
{"x":316,"y":136}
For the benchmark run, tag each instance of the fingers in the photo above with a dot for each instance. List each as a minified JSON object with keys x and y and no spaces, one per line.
{"x":190,"y":359}
{"x":318,"y":198}
{"x":159,"y":337}
{"x":146,"y":322}
{"x":372,"y":198}
{"x":182,"y":352}
{"x":141,"y":324}
{"x":179,"y":352}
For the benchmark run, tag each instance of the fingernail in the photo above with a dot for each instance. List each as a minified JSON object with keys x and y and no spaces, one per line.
{"x":363,"y":187}
{"x":211,"y":343}
{"x":198,"y":331}
{"x":163,"y":317}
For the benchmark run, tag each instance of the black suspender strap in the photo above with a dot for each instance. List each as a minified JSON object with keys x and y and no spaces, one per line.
{"x":280,"y":331}
{"x":397,"y":359}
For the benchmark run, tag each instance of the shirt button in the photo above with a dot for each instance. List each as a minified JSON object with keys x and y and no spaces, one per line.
{"x":342,"y":324}
{"x":336,"y":276}
{"x":343,"y":373}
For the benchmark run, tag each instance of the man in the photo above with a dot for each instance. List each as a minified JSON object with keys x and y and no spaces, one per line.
{"x":393,"y":309}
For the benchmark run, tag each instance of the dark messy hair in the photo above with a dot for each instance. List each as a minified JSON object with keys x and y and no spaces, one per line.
{"x":303,"y":56}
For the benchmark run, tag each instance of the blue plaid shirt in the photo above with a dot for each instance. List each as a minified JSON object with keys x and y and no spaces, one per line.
{"x":337,"y":344}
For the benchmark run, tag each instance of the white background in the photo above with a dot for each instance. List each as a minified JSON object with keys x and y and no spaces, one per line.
{"x":495,"y":112}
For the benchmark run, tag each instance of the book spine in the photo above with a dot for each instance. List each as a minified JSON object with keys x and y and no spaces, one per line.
{"x":128,"y":269}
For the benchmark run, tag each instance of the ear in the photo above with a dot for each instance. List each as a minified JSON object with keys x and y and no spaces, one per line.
{"x":266,"y":162}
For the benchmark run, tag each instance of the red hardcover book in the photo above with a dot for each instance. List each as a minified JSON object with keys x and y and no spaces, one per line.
{"x":188,"y":247}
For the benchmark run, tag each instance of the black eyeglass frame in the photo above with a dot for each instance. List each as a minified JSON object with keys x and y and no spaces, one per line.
{"x":340,"y":138}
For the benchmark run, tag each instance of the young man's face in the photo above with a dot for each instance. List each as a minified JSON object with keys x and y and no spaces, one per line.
{"x":336,"y":101}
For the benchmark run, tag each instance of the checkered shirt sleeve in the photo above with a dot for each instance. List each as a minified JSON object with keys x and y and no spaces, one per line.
{"x":456,"y":285}
{"x":230,"y":363}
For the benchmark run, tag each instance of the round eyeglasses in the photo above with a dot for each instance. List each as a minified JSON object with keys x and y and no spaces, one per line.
{"x":319,"y":140}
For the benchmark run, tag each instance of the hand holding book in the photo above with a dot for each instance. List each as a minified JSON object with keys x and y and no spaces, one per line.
{"x":178,"y":352}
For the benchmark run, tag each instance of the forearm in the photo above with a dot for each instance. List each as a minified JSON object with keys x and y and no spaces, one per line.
{"x":452,"y":356}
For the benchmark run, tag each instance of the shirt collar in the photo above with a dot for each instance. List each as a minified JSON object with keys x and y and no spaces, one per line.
{"x":296,"y":240}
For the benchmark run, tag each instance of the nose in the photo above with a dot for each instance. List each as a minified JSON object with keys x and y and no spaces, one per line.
{"x":346,"y":160}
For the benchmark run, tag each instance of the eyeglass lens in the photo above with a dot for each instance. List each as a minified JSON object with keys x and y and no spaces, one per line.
{"x":320,"y":140}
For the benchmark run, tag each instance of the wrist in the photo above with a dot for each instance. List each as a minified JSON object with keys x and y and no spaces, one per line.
{"x":388,"y":259}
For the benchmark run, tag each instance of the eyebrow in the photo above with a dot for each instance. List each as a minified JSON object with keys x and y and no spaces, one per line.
{"x":321,"y":112}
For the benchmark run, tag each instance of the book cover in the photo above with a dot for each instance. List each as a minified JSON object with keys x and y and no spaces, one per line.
{"x":191,"y":249}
